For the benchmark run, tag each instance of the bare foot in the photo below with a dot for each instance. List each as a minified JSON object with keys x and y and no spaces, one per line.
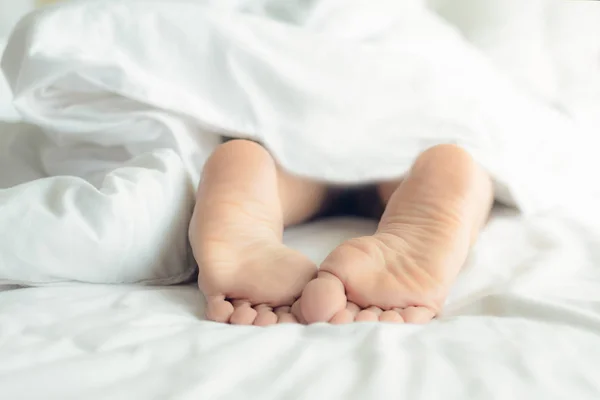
{"x":246,"y":274}
{"x":404,"y":272}
{"x":248,"y":279}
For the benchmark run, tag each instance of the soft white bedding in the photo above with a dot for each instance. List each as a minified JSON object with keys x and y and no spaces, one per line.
{"x":133,"y":95}
{"x":522,"y":323}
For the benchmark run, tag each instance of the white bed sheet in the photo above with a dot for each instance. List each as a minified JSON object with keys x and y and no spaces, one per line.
{"x":522,"y":323}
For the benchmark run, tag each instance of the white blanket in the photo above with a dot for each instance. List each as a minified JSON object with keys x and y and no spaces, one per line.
{"x":132,"y":97}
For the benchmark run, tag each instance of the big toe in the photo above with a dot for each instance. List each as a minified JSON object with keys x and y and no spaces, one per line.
{"x":218,"y":309}
{"x":322,"y":298}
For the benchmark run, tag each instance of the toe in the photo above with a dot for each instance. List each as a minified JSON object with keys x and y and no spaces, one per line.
{"x":391,"y":316}
{"x":265,"y":316}
{"x":370,"y":314}
{"x":285,"y":316}
{"x":295,"y":312}
{"x":417,"y":315}
{"x":322,"y":298}
{"x":342,"y":317}
{"x":347,"y":315}
{"x":243,"y":314}
{"x":218,"y":309}
{"x":286,"y":319}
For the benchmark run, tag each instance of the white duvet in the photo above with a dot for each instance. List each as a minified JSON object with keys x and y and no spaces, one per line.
{"x":131,"y":97}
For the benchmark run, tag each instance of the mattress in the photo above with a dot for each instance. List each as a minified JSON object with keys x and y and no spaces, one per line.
{"x":523,"y":322}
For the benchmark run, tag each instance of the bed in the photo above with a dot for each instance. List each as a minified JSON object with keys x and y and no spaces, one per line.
{"x":522,"y":322}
